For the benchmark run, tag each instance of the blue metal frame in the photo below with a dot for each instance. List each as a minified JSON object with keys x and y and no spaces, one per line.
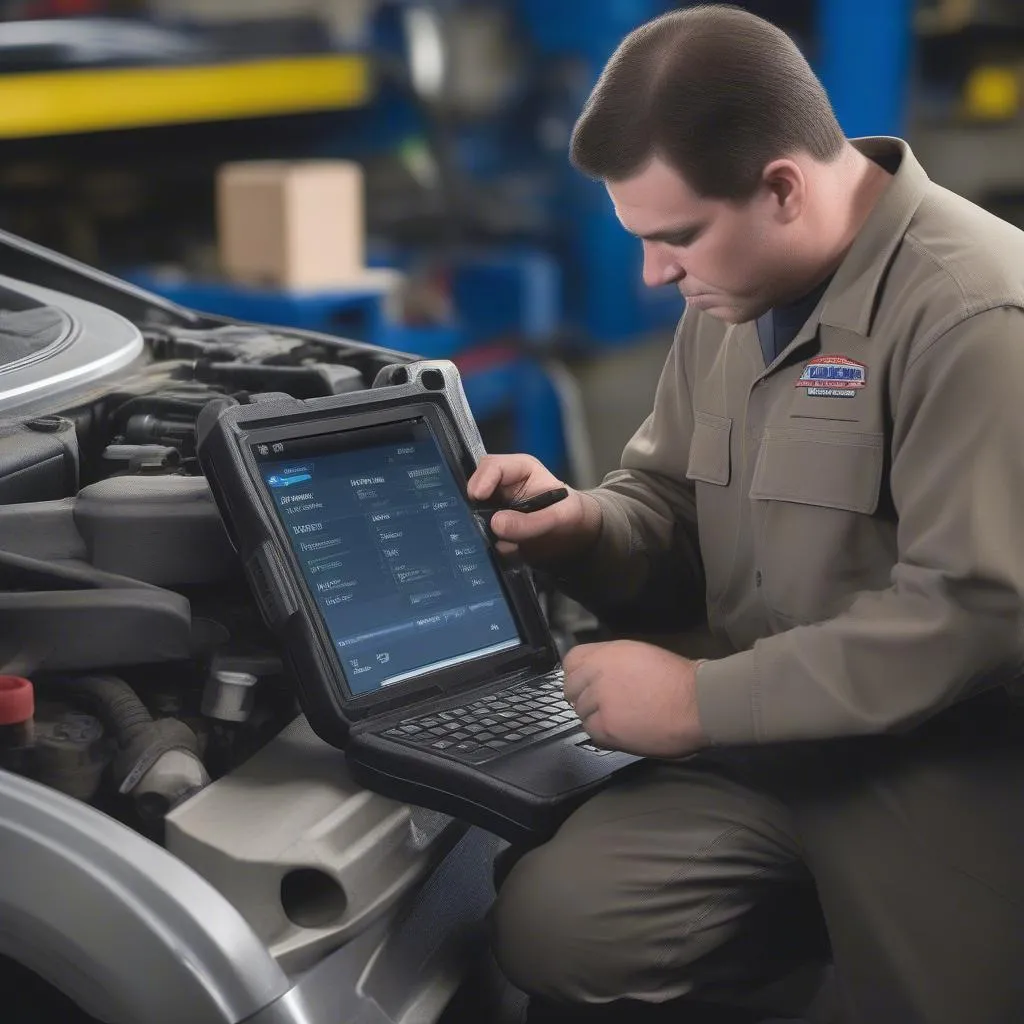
{"x":864,"y":62}
{"x":520,"y":387}
{"x":605,"y":294}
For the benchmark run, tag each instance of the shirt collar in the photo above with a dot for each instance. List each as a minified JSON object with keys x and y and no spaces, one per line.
{"x":850,"y":300}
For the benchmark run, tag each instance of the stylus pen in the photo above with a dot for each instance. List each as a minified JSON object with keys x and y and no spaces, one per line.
{"x":532,"y":504}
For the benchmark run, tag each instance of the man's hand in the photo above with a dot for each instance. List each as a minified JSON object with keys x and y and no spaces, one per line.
{"x":561,"y":530}
{"x":635,"y":697}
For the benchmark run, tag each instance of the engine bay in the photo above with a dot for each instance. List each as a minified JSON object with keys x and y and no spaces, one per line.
{"x":120,"y":596}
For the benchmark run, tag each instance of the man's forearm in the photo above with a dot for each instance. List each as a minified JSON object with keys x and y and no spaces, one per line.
{"x":585,"y":539}
{"x":891,"y":661}
{"x":629,"y":575}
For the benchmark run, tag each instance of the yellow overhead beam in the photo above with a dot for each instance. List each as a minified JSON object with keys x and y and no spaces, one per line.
{"x":65,"y":102}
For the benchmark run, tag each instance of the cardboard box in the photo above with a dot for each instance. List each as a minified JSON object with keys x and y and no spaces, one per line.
{"x":295,"y":225}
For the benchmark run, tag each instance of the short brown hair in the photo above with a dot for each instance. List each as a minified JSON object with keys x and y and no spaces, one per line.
{"x":714,"y":91}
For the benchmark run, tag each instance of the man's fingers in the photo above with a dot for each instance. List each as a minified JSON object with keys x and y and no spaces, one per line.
{"x":519,"y":526}
{"x":587,"y":705}
{"x":500,"y":471}
{"x":484,"y":481}
{"x":574,"y":686}
{"x":572,"y":660}
{"x":595,"y":729}
{"x":578,"y":676}
{"x":576,"y":657}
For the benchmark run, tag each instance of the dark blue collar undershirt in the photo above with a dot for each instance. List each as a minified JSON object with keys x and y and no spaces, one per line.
{"x":780,"y":325}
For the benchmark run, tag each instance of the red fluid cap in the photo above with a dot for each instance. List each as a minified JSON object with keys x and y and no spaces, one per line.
{"x":17,"y":700}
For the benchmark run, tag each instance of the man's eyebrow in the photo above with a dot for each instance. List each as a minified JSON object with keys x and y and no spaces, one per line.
{"x":683,"y":231}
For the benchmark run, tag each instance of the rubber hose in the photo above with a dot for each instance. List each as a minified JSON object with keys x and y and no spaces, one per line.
{"x":118,"y":706}
{"x":141,"y":740}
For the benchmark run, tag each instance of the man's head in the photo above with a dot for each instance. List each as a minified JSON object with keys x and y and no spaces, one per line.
{"x":710,"y":131}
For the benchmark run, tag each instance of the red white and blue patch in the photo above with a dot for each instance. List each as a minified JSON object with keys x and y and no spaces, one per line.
{"x":833,"y":377}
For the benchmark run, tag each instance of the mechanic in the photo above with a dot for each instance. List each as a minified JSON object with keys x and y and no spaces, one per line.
{"x":831,"y":478}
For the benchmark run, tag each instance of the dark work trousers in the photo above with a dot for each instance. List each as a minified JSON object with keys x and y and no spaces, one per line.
{"x":710,"y":878}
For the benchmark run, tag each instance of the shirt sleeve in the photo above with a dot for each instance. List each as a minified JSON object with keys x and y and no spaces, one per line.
{"x":950,"y":624}
{"x":645,"y":566}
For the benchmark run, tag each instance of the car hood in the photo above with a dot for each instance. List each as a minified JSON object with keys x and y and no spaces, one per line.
{"x":69,"y":331}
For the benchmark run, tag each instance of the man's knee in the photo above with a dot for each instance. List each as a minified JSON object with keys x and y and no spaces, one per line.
{"x":646,"y":883}
{"x":538,"y":927}
{"x":553,"y":931}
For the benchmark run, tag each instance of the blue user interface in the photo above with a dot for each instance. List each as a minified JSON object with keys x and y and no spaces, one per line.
{"x":389,"y":551}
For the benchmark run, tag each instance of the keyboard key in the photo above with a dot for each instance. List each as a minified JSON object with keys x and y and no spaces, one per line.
{"x":478,"y":730}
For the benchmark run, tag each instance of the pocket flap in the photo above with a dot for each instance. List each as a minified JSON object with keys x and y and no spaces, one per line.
{"x":834,"y":469}
{"x":709,"y":449}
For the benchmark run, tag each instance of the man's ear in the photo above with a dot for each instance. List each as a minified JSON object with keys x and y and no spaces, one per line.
{"x":785,"y":183}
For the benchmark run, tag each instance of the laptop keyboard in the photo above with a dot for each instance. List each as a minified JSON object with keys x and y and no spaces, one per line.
{"x":493,"y":725}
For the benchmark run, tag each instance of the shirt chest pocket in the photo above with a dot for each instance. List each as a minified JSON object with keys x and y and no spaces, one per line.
{"x":817,"y":539}
{"x":709,"y":459}
{"x":710,"y":466}
{"x":825,"y":468}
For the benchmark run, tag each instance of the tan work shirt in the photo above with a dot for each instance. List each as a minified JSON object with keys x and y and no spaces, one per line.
{"x":855,"y":510}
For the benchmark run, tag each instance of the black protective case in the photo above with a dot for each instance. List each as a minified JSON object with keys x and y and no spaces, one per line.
{"x":521,"y":796}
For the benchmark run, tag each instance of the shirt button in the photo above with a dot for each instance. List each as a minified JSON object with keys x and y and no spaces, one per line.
{"x":757,"y":578}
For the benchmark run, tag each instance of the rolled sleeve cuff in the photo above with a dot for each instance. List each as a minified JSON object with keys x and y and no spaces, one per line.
{"x":727,"y":700}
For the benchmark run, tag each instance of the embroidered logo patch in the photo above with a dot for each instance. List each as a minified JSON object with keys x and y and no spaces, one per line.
{"x":833,"y":377}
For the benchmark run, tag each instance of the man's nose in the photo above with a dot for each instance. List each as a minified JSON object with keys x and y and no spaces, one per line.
{"x":660,"y":266}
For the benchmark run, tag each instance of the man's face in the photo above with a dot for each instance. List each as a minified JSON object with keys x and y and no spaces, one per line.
{"x":726,"y":258}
